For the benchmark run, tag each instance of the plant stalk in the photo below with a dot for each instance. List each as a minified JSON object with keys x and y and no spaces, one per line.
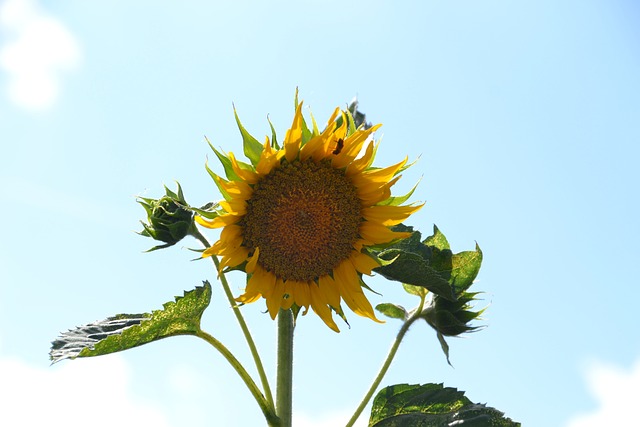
{"x":268,"y":412}
{"x":242,"y":323}
{"x":383,"y":370}
{"x":284,"y":395}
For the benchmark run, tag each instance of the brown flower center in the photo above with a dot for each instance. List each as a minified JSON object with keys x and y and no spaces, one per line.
{"x":304,"y":217}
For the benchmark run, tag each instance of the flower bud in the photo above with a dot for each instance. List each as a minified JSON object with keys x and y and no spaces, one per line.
{"x":169,"y":219}
{"x":452,"y":318}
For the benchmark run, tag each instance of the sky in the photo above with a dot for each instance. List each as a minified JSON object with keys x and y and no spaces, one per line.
{"x":523,"y":117}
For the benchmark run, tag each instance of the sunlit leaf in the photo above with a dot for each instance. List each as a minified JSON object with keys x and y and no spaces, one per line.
{"x":393,"y":311}
{"x":432,"y":405}
{"x":125,"y":331}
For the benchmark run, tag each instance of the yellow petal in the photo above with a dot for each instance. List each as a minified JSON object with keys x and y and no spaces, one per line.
{"x":329,"y":290}
{"x":234,"y":258}
{"x":376,"y":233}
{"x":352,"y":147}
{"x":252,"y":292}
{"x":251,"y":264}
{"x":375,"y":193}
{"x":363,"y":263}
{"x":236,"y":189}
{"x":378,"y":175}
{"x":315,"y":143}
{"x":289,"y":292}
{"x":246,"y":175}
{"x":389,"y":215}
{"x":348,"y":281}
{"x":274,"y":302}
{"x":268,"y":159}
{"x":293,"y":137}
{"x":234,"y":206}
{"x":320,"y":307}
{"x":301,"y":293}
{"x":362,"y":163}
{"x":219,"y":221}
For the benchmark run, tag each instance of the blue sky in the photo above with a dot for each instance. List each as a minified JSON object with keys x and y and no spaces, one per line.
{"x":524,"y":116}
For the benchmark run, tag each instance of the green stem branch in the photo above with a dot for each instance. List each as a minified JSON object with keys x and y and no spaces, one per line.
{"x":284,"y":395}
{"x":383,"y":369}
{"x":242,"y":323}
{"x":267,"y":410}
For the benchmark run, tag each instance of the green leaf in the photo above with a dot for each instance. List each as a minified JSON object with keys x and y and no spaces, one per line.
{"x":418,"y":291}
{"x":431,"y":405}
{"x":125,"y":331}
{"x":437,"y":240}
{"x":393,"y":311}
{"x":414,"y":269}
{"x":465,"y":268}
{"x":252,"y":148}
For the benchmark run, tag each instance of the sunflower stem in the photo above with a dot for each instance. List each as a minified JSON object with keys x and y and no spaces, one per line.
{"x":243,"y":325}
{"x":284,"y":395}
{"x":267,"y":410}
{"x":383,"y":370}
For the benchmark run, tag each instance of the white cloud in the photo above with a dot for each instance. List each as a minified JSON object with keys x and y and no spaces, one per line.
{"x":37,"y":49}
{"x":616,"y":391}
{"x":75,"y":394}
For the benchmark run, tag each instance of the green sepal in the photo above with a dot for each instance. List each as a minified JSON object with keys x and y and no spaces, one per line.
{"x":306,"y":133}
{"x":226,"y":163}
{"x":125,"y":331}
{"x":398,"y":200}
{"x":274,"y":138}
{"x":314,"y":131}
{"x":393,"y":311}
{"x":208,"y":211}
{"x":431,"y":405}
{"x":444,"y":346}
{"x":251,"y":147}
{"x":214,"y":176}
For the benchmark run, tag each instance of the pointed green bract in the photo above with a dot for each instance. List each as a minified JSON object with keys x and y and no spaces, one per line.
{"x":398,"y":200}
{"x":251,"y":147}
{"x":215,"y":177}
{"x":125,"y":331}
{"x":274,"y":138}
{"x":431,"y":405}
{"x":226,"y":164}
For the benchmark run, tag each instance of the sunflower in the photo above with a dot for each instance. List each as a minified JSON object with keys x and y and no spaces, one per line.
{"x":299,"y":219}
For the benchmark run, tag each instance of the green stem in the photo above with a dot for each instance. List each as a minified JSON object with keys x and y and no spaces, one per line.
{"x":267,"y":410}
{"x":383,"y":370}
{"x":242,"y":323}
{"x":284,"y":395}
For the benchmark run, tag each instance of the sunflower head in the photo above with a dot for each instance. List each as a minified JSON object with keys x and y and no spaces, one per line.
{"x":298,"y":218}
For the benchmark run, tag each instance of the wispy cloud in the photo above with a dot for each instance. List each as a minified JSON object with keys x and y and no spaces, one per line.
{"x":616,"y":391}
{"x":85,"y":392}
{"x":37,"y":49}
